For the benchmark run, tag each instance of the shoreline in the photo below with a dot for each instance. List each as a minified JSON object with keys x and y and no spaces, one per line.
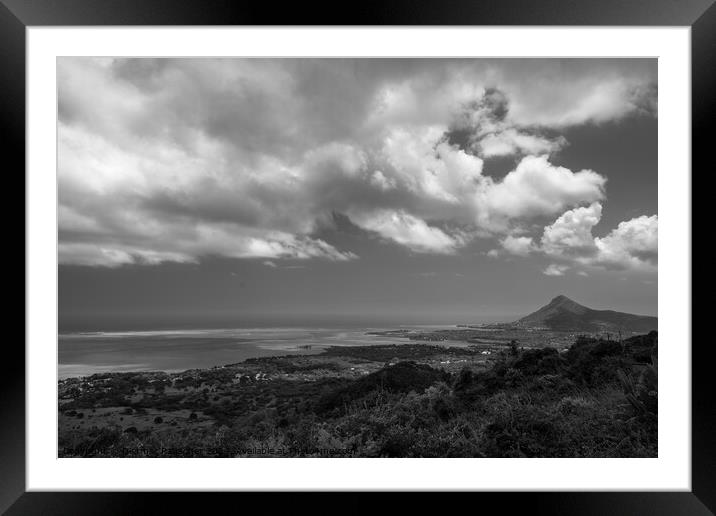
{"x":454,"y":336}
{"x":370,"y":352}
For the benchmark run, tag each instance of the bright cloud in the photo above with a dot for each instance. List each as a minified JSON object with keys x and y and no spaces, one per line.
{"x":536,"y":187}
{"x":633,"y":245}
{"x":520,"y":246}
{"x":571,"y":233}
{"x":510,"y":141}
{"x":555,"y":269}
{"x":177,"y":159}
{"x":409,"y":231}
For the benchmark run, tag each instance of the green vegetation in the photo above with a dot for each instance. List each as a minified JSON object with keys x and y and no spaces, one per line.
{"x":596,"y":399}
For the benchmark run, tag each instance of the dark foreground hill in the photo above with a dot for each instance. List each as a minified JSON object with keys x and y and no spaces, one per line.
{"x":563,"y":314}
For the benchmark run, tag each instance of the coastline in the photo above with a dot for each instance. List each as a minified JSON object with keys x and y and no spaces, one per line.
{"x":178,"y":350}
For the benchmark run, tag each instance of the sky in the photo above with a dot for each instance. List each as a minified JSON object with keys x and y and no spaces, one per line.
{"x":293,"y":191}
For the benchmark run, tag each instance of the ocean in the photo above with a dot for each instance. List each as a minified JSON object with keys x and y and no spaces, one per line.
{"x":85,"y":353}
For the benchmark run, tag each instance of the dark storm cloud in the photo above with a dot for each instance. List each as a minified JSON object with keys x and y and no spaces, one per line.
{"x":179,"y":159}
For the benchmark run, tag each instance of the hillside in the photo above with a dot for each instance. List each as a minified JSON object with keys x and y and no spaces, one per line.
{"x":563,"y":314}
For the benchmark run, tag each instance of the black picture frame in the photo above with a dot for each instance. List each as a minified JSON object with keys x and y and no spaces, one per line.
{"x":17,"y":15}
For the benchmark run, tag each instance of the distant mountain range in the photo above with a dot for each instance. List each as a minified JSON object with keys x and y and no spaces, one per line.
{"x":563,"y":314}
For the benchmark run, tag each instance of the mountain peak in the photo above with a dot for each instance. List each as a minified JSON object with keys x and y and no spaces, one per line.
{"x":561,"y":303}
{"x":566,"y":315}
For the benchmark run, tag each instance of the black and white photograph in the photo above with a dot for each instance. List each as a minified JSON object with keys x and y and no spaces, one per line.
{"x":357,"y":257}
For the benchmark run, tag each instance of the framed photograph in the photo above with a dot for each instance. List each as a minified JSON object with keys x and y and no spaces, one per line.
{"x":417,"y":249}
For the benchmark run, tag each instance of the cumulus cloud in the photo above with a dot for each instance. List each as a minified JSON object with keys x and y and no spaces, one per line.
{"x":520,"y":246}
{"x":555,"y":269}
{"x":536,"y":187}
{"x":571,"y":234}
{"x":195,"y":243}
{"x":632,"y":245}
{"x":409,"y":231}
{"x":114,"y":256}
{"x":176,"y":159}
{"x":515,"y":246}
{"x":617,"y":93}
{"x":381,"y":182}
{"x":510,"y":141}
{"x":485,"y":128}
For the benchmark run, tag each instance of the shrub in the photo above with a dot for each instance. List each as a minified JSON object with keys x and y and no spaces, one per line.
{"x":93,"y":442}
{"x":401,"y":377}
{"x":522,"y":431}
{"x":539,"y":361}
{"x":464,"y":379}
{"x":605,"y":348}
{"x":442,"y":401}
{"x":513,"y":377}
{"x":397,"y":443}
{"x":594,"y":362}
{"x":574,"y":405}
{"x":556,"y":383}
{"x":642,"y":393}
